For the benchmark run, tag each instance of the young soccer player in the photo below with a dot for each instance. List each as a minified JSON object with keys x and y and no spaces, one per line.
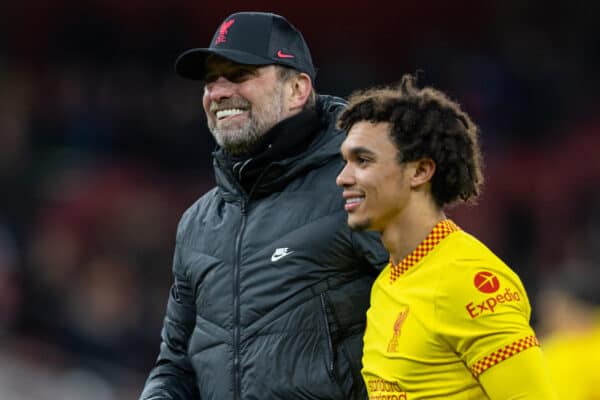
{"x":448,"y":319}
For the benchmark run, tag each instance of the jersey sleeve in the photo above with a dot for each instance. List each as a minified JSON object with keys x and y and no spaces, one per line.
{"x":523,"y":376}
{"x":483,"y":313}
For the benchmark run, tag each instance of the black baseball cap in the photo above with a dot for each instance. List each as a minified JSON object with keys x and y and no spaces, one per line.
{"x":252,"y":38}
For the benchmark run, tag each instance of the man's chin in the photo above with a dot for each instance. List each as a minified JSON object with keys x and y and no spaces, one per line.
{"x":355,"y":225}
{"x":238,"y":143}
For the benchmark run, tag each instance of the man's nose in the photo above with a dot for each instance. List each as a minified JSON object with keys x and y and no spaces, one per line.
{"x":344,"y":178}
{"x":219,"y":89}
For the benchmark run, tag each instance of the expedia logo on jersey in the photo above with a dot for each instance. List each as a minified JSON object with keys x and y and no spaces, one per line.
{"x":488,"y":283}
{"x":380,"y":389}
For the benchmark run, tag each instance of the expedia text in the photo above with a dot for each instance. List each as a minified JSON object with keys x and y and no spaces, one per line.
{"x":489,"y":304}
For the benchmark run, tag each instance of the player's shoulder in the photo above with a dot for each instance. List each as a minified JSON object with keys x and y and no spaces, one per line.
{"x":469,"y":263}
{"x":465,"y":251}
{"x":194,"y":212}
{"x":462,"y":243}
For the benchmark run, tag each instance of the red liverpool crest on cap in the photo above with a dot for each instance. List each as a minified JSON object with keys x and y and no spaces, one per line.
{"x":223,"y":30}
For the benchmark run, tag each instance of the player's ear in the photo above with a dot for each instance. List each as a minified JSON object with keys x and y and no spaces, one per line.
{"x":300,"y":87}
{"x":423,"y":172}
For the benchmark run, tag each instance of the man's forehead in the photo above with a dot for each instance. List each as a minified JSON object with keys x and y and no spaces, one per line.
{"x":366,"y":135}
{"x":368,"y":130}
{"x":354,"y":142}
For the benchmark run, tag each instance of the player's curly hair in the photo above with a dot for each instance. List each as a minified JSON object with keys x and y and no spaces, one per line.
{"x":425,"y":123}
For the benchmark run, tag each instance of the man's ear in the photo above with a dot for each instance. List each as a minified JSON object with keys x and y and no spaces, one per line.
{"x":423,"y":172}
{"x":300,"y":87}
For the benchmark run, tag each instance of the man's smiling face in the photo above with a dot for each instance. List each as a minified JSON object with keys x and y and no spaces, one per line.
{"x":376,"y":187}
{"x":242,"y":103}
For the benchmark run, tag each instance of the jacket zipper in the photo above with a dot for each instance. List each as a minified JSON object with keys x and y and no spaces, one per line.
{"x":236,"y":285}
{"x":330,"y":363}
{"x":236,"y":305}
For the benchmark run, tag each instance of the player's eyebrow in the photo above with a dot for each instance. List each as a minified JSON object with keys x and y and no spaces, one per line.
{"x":360,"y":151}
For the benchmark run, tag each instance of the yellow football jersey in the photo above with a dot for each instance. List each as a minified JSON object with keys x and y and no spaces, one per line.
{"x":447,"y":313}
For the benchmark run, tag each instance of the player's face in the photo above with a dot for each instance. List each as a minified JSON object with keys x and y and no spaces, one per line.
{"x":242,"y":103}
{"x":375,"y":187}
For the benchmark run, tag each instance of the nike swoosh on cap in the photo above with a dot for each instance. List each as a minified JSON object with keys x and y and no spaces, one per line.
{"x":281,"y":54}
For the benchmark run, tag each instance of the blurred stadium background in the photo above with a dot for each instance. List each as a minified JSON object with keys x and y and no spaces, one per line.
{"x":102,"y":148}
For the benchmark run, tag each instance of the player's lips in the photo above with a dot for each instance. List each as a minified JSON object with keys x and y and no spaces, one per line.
{"x":353,"y":200}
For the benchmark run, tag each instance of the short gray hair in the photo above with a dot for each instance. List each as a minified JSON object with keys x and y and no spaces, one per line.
{"x":285,"y":73}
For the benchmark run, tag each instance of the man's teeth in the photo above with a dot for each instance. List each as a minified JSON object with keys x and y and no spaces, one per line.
{"x":229,"y":112}
{"x":354,"y":200}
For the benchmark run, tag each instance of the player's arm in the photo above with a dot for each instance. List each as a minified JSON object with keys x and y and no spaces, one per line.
{"x":172,"y":377}
{"x":484,"y":314}
{"x":523,"y":376}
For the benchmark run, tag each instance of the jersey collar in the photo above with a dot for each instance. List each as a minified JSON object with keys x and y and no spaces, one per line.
{"x":437,"y":234}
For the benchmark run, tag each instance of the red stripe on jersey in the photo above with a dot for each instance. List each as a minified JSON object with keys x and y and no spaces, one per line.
{"x":502,"y":354}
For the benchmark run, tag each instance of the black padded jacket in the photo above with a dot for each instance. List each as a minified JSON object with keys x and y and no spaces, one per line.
{"x":270,"y":285}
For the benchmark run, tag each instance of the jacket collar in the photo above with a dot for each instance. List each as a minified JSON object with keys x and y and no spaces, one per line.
{"x":295,"y":144}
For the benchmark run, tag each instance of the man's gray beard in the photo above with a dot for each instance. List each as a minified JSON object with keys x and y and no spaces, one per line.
{"x":242,"y":142}
{"x":245,"y":139}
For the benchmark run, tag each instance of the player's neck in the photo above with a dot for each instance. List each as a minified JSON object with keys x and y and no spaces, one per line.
{"x":409,"y":229}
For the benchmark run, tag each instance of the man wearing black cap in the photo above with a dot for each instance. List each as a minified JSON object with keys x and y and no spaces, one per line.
{"x":270,"y":285}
